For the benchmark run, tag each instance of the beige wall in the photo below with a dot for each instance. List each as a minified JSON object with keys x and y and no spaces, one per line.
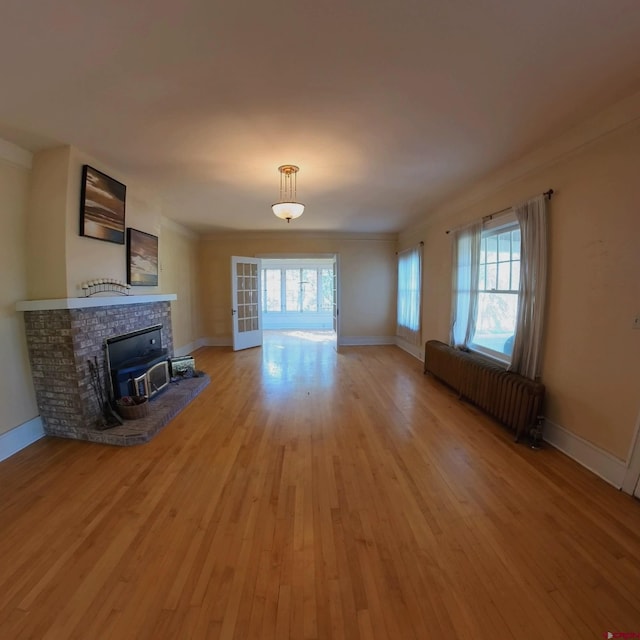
{"x":591,"y":353}
{"x":17,"y":398}
{"x":367,"y":277}
{"x":60,"y":259}
{"x":88,"y":258}
{"x":179,"y":273}
{"x":46,"y":223}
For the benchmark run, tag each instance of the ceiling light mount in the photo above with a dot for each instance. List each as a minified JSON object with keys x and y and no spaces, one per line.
{"x":287,"y":208}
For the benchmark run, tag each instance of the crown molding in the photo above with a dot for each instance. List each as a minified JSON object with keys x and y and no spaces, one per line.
{"x":176,"y":227}
{"x":16,"y":155}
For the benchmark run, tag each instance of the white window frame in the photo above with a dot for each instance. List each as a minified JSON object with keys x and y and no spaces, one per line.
{"x":507,"y":222}
{"x":283,"y":288}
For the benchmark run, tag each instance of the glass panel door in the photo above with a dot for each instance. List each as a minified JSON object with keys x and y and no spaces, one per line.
{"x":245,"y":302}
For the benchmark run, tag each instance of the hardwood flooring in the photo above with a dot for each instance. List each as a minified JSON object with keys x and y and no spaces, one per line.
{"x":308,"y":494}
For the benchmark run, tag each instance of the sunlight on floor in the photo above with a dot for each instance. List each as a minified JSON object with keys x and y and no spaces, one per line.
{"x":299,"y":334}
{"x":300,"y":359}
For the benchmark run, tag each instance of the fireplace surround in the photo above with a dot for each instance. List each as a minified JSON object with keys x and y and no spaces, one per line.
{"x":63,"y":335}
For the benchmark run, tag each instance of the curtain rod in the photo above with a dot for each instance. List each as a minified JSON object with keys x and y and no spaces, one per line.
{"x":547,"y":194}
{"x":420,"y":244}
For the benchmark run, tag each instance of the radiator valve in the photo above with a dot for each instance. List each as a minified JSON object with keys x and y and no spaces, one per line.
{"x":535,"y":433}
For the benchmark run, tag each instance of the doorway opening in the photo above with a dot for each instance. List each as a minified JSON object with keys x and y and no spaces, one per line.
{"x":299,"y":298}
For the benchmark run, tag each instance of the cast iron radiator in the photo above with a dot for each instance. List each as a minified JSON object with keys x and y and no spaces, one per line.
{"x":508,"y":397}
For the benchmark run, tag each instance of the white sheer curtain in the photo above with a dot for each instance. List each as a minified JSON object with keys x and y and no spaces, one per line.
{"x":527,"y":345}
{"x":410,"y":294}
{"x":464,"y":303}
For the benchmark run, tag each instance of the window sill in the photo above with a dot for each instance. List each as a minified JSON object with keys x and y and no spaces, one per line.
{"x":492,"y":357}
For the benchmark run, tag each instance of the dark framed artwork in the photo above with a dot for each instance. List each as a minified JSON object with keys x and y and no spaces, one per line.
{"x":142,"y":259}
{"x":102,"y":201}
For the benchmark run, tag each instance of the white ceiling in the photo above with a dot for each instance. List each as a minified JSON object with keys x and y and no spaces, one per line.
{"x":387,"y":106}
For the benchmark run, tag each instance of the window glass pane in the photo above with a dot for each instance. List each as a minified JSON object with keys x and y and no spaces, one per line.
{"x":292,"y":289}
{"x":272,"y":297}
{"x":326,"y":284}
{"x":492,"y":249}
{"x":515,"y":275}
{"x":498,"y":276}
{"x":491,"y":276}
{"x":496,"y":321}
{"x":504,"y":246}
{"x":504,"y":275}
{"x":309,"y":290}
{"x":515,"y":244}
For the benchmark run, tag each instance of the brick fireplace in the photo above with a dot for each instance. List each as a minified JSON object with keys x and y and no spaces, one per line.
{"x":61,"y":341}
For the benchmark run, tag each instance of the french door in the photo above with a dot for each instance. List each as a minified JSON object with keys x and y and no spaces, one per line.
{"x":245,"y":302}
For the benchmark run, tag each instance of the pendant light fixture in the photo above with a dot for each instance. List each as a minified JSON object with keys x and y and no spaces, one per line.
{"x":287,"y":208}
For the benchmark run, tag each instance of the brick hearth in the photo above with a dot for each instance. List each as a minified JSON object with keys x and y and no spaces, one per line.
{"x":162,"y":409}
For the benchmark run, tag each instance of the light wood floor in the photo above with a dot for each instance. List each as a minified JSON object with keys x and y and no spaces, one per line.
{"x":307,"y":494}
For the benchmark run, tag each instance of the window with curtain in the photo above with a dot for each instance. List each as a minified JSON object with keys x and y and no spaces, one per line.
{"x":499,"y":287}
{"x":410,"y":294}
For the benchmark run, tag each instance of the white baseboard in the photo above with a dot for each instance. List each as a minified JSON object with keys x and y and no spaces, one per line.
{"x":633,"y":469}
{"x":186,"y":349}
{"x":598,"y":461}
{"x":366,"y":341}
{"x":219,"y":341}
{"x":20,"y":437}
{"x":413,"y":349}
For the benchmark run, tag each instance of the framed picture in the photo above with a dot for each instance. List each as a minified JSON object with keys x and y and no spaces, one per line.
{"x":102,"y":206}
{"x":142,"y":259}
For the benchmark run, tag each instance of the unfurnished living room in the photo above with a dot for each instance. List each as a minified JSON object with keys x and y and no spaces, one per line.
{"x":320,"y":320}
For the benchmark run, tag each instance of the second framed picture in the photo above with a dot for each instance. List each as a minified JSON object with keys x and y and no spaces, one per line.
{"x":142,"y":258}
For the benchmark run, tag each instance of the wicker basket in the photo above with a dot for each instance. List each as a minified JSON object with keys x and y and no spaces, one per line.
{"x":139,"y":408}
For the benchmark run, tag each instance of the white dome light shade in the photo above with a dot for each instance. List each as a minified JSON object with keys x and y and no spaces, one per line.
{"x":287,"y":208}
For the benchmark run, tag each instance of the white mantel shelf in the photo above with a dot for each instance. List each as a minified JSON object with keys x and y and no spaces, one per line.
{"x":96,"y":301}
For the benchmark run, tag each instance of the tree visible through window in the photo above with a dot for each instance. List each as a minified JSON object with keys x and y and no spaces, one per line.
{"x":326,"y":289}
